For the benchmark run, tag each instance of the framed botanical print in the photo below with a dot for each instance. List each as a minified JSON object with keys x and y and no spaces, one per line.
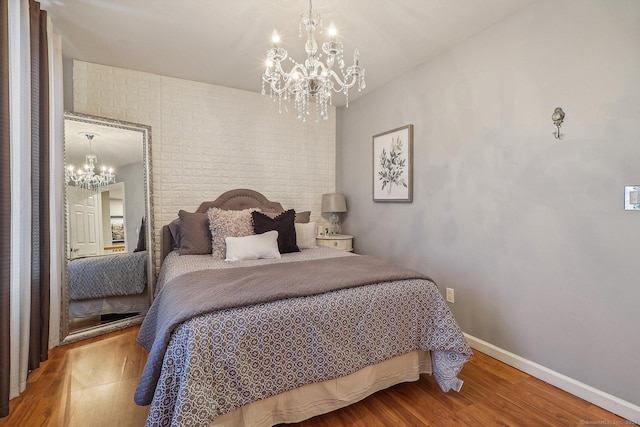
{"x":393,"y":165}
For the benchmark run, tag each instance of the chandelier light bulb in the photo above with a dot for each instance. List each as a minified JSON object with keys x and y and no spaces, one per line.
{"x":332,"y":31}
{"x":275,"y":38}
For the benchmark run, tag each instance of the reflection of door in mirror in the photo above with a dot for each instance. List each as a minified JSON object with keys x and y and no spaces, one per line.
{"x":109,"y":244}
{"x":97,"y":221}
{"x":84,"y":223}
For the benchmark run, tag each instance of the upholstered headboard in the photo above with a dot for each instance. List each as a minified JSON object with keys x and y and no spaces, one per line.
{"x":235,"y":200}
{"x":231,"y":200}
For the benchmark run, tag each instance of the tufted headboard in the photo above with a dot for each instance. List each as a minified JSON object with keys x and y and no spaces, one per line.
{"x":238,"y":199}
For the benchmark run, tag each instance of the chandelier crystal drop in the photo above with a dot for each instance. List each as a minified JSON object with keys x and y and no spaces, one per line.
{"x":86,"y":177}
{"x":314,"y":78}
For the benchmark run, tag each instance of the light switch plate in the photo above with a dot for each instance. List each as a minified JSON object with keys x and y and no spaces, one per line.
{"x":632,"y":198}
{"x":450,"y":296}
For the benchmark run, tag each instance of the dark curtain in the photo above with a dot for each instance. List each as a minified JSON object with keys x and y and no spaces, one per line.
{"x":5,"y":211}
{"x":40,"y":232}
{"x":40,"y":241}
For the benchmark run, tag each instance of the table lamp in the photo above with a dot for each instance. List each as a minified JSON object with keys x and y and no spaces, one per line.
{"x":334,"y":203}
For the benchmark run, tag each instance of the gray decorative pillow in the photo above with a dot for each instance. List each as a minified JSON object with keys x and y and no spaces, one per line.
{"x":303,"y":217}
{"x":225,"y":224}
{"x":195,"y":237}
{"x":174,"y":229}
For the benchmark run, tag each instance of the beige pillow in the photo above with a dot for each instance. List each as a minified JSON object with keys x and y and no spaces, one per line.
{"x":306,"y":235}
{"x":225,"y":224}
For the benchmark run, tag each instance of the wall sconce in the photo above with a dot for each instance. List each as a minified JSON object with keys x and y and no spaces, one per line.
{"x":558,"y":118}
{"x":334,"y":203}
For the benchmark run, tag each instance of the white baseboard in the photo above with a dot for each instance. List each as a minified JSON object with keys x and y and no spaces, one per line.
{"x":592,"y":395}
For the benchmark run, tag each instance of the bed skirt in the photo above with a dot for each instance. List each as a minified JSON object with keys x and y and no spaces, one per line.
{"x":320,"y":398}
{"x":110,"y":305}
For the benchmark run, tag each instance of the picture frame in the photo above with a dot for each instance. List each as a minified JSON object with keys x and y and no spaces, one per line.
{"x":117,"y":229}
{"x":393,"y":165}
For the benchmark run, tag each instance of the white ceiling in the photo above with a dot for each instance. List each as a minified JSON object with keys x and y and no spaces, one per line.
{"x":113,"y":146}
{"x":223,"y":42}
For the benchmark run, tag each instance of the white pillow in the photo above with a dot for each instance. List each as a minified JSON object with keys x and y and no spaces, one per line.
{"x":256,"y":246}
{"x":306,"y":235}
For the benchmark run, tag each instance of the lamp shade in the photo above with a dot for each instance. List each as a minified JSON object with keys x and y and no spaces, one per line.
{"x":334,"y":202}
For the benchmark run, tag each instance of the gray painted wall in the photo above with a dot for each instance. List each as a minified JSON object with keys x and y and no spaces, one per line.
{"x":529,"y":231}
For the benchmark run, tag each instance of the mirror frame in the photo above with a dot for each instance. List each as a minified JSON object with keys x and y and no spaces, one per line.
{"x":65,"y":336}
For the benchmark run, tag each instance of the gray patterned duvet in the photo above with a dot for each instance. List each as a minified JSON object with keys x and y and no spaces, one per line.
{"x":107,"y":275}
{"x":216,"y":362}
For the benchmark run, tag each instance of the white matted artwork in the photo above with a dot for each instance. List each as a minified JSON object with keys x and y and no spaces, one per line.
{"x":393,"y":165}
{"x":117,"y":229}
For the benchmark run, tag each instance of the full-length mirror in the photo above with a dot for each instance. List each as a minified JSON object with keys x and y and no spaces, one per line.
{"x":109,"y":247}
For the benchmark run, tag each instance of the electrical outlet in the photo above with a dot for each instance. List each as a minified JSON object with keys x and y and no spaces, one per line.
{"x":450,"y":295}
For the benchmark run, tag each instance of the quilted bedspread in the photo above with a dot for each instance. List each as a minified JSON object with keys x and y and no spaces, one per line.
{"x":107,"y":275}
{"x":218,"y":361}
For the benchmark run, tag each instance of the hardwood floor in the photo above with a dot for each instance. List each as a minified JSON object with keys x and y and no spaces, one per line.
{"x":91,"y":383}
{"x":87,"y":383}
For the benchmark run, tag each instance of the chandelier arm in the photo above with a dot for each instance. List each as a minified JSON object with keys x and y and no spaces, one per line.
{"x":343,"y":83}
{"x":288,"y":76}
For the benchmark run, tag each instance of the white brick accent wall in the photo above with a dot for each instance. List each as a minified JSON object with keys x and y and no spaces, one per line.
{"x":208,"y":139}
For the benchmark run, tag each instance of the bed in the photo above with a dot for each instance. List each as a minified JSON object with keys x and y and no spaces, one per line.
{"x":266,"y":341}
{"x":108,"y":284}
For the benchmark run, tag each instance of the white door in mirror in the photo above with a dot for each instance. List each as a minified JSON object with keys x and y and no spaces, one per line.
{"x":84,"y":222}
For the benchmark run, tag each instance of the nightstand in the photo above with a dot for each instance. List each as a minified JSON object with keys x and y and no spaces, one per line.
{"x":344,"y":242}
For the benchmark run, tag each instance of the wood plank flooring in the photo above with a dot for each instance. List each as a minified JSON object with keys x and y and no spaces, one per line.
{"x":86,"y":383}
{"x":91,"y":383}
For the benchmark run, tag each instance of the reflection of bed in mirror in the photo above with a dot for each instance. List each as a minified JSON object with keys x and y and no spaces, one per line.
{"x":108,"y":284}
{"x":109,"y":243}
{"x":104,"y":275}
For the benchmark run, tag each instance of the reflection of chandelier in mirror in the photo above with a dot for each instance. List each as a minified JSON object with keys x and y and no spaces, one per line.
{"x":86,"y":177}
{"x":313,"y":78}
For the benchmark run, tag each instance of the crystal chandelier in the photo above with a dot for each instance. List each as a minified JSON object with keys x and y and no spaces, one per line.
{"x":313,"y":79}
{"x":87,"y":178}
